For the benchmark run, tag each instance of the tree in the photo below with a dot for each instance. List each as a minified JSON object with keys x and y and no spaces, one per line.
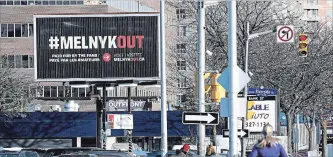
{"x":299,"y":80}
{"x":259,"y":13}
{"x":15,"y":89}
{"x":274,"y":65}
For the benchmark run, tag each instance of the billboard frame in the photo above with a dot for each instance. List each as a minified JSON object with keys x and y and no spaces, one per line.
{"x":98,"y":15}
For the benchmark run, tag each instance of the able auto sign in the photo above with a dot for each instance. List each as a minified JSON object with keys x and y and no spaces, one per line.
{"x":92,"y":47}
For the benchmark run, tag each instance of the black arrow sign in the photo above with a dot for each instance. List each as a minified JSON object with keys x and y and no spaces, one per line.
{"x":242,"y":133}
{"x":207,"y":118}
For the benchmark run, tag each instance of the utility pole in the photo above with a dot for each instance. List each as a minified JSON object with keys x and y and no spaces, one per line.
{"x":201,"y":73}
{"x":164,"y":129}
{"x":232,"y":59}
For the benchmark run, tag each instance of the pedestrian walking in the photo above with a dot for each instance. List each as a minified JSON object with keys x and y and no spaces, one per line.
{"x":268,"y":146}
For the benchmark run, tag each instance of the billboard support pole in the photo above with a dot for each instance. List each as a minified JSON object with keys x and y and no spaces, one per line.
{"x":129,"y":132}
{"x":98,"y":123}
{"x":164,"y":129}
{"x":104,"y":117}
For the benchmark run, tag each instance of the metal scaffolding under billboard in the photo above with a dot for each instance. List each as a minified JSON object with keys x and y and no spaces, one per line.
{"x":96,"y":47}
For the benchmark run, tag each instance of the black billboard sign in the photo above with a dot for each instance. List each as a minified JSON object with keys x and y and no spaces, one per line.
{"x":104,"y":47}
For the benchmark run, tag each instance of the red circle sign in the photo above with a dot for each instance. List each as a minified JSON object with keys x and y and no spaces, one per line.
{"x":106,"y":57}
{"x":283,"y":32}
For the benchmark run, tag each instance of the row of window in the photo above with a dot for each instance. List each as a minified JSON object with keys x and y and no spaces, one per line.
{"x":17,"y":61}
{"x":58,"y":91}
{"x":41,"y":2}
{"x":16,"y":30}
{"x":82,"y":91}
{"x":181,"y":65}
{"x":182,"y":82}
{"x":181,"y":13}
{"x":182,"y":31}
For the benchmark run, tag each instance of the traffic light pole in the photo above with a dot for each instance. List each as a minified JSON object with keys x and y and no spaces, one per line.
{"x":201,"y":72}
{"x":164,"y":126}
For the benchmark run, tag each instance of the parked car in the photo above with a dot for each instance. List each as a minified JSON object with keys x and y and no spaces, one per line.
{"x":51,"y":152}
{"x":112,"y":153}
{"x":21,"y":153}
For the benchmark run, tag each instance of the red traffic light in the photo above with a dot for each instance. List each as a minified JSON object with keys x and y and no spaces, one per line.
{"x":302,"y":37}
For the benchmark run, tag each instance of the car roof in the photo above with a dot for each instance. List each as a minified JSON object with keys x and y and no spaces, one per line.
{"x":9,"y":152}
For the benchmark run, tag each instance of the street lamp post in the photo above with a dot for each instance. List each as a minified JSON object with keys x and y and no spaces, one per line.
{"x":246,"y":70}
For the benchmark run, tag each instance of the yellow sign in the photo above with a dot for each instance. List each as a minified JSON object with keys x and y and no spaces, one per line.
{"x":249,"y":112}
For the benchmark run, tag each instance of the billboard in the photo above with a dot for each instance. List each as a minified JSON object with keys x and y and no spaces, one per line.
{"x":105,"y":47}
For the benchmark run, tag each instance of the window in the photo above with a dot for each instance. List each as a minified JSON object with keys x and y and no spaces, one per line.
{"x":11,"y":32}
{"x":312,"y":2}
{"x":75,"y":92}
{"x":31,"y":61}
{"x":4,"y":30}
{"x":182,"y":82}
{"x":24,"y":2}
{"x":181,"y":13}
{"x":4,"y":62}
{"x":180,"y":98}
{"x":60,"y":91}
{"x":10,"y":2}
{"x":312,"y":13}
{"x":47,"y":91}
{"x":79,"y":91}
{"x":40,"y":91}
{"x":25,"y":30}
{"x":181,"y":65}
{"x":25,"y":61}
{"x":17,"y":61}
{"x":11,"y":61}
{"x":82,"y":92}
{"x":181,"y":48}
{"x":181,"y":31}
{"x":16,"y":30}
{"x":313,"y":24}
{"x":54,"y":91}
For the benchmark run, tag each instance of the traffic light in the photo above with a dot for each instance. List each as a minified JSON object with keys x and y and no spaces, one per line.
{"x":207,"y":77}
{"x":217,"y":91}
{"x":303,"y":45}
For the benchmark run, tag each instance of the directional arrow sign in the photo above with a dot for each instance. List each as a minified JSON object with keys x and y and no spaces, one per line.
{"x":207,"y":118}
{"x":242,"y":79}
{"x":241,"y":133}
